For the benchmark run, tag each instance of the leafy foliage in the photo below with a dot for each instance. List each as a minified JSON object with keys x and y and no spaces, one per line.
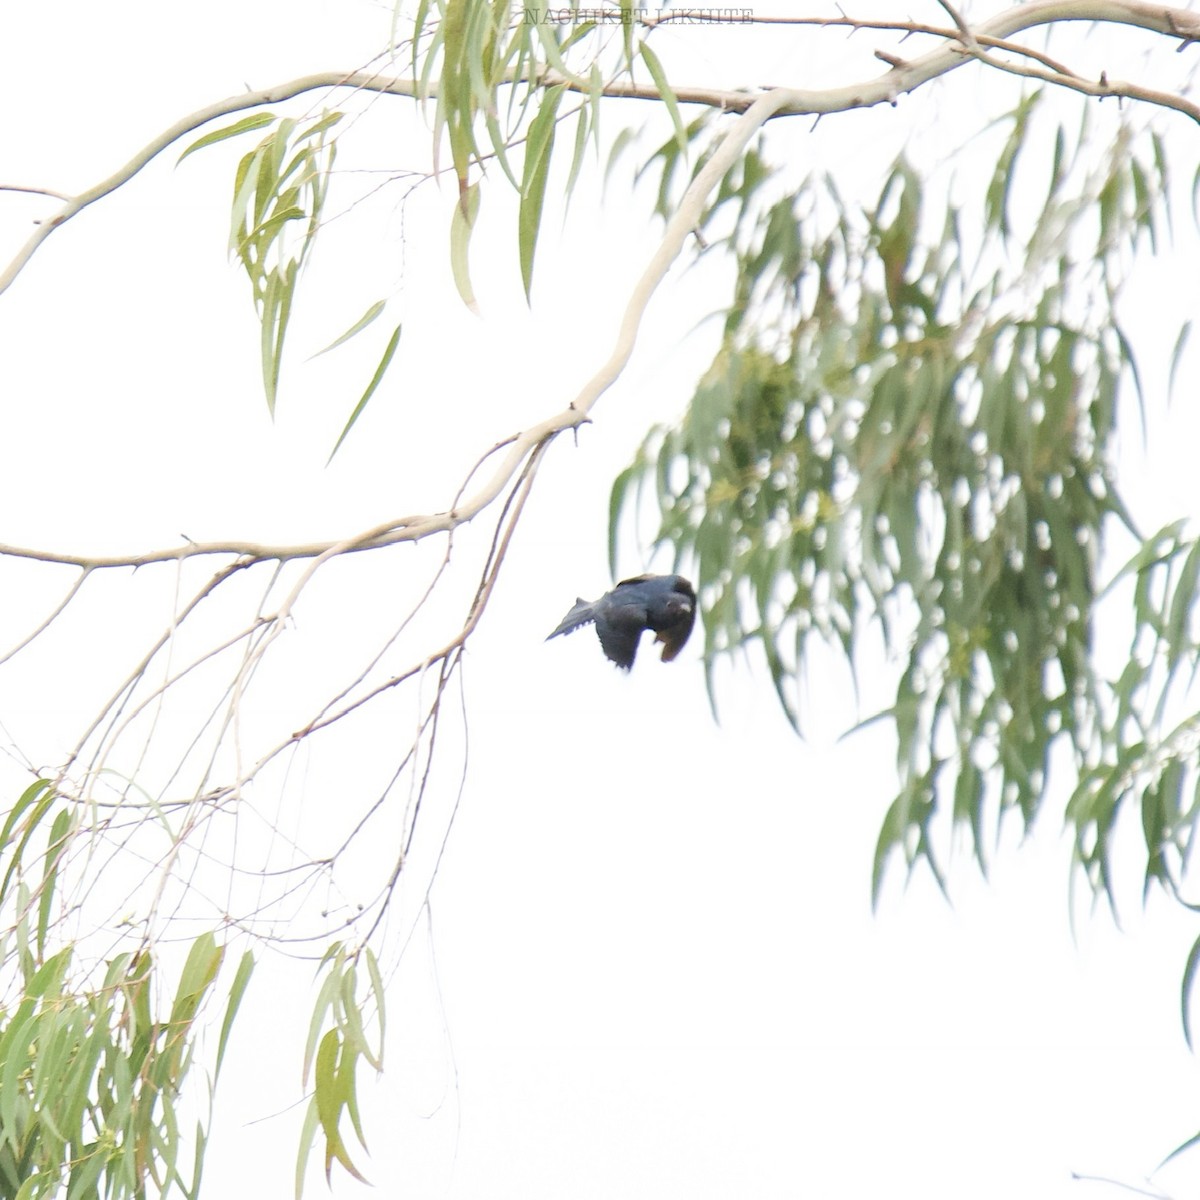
{"x":909,"y":431}
{"x":906,"y":433}
{"x":337,"y":1041}
{"x":90,"y":1074}
{"x":485,"y":66}
{"x":283,"y":180}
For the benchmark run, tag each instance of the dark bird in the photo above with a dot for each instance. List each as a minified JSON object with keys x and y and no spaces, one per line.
{"x":665,"y":604}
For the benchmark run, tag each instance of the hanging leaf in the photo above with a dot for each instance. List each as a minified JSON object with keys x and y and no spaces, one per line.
{"x":462,"y":222}
{"x":245,"y":125}
{"x":358,"y":326}
{"x":376,"y":379}
{"x":538,"y":149}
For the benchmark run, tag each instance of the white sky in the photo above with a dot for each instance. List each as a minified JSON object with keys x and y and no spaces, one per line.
{"x":653,"y":971}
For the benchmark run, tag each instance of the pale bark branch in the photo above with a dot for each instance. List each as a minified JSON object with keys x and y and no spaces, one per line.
{"x":1101,"y":88}
{"x":359,"y":80}
{"x":904,"y":77}
{"x":757,"y":108}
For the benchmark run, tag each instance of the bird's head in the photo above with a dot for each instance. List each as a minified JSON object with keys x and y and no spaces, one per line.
{"x":681,"y":600}
{"x":679,"y":613}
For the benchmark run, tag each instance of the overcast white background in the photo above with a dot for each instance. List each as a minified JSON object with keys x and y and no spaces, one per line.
{"x":652,"y":970}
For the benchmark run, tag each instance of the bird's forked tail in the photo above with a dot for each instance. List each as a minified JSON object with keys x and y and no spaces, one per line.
{"x":583,"y":613}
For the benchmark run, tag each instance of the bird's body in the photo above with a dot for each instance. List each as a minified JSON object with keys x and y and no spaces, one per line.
{"x":664,"y":604}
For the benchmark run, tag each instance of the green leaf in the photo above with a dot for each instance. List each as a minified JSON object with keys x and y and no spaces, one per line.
{"x":667,"y":94}
{"x":357,"y":327}
{"x":891,"y":835}
{"x":996,"y":206}
{"x":329,"y":1094}
{"x":55,"y":845}
{"x":37,"y":801}
{"x":1185,"y":332}
{"x":1182,"y":605}
{"x":376,"y":379}
{"x":500,"y":146}
{"x":616,"y":505}
{"x":277,"y":311}
{"x":199,"y":970}
{"x":325,"y":1083}
{"x":546,"y":36}
{"x":237,"y":990}
{"x":538,"y":148}
{"x":333,"y":962}
{"x":462,"y":223}
{"x":245,"y":125}
{"x":380,"y":996}
{"x":622,"y":142}
{"x":1187,"y":1145}
{"x":308,"y":1133}
{"x":1185,"y":991}
{"x":27,"y":798}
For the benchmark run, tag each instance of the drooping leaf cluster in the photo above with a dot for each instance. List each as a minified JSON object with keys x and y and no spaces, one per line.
{"x":500,"y":71}
{"x":338,"y":1039}
{"x":908,"y":429}
{"x":501,"y":80}
{"x":91,"y":1072}
{"x":279,"y":195}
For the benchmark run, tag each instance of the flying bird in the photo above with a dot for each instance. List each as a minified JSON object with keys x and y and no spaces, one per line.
{"x":665,"y":604}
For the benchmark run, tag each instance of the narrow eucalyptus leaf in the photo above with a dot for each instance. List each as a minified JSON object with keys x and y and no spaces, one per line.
{"x":358,"y":326}
{"x":461,"y":224}
{"x":245,"y":125}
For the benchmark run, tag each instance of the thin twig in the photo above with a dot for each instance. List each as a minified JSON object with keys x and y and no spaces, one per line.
{"x":34,"y":191}
{"x":1100,"y":89}
{"x":72,"y":592}
{"x":964,"y":30}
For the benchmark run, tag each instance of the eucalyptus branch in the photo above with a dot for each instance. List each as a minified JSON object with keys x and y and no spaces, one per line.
{"x":450,"y":660}
{"x":1101,"y":88}
{"x":904,"y":77}
{"x":62,"y":607}
{"x":964,"y":30}
{"x":222,"y":108}
{"x":33,"y":191}
{"x":116,"y":704}
{"x":415,"y":528}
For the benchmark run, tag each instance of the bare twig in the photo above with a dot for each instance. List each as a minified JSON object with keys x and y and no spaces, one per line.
{"x":1129,"y":1187}
{"x":964,"y":30}
{"x":1100,"y":88}
{"x":72,"y":592}
{"x":33,"y":191}
{"x":121,"y":697}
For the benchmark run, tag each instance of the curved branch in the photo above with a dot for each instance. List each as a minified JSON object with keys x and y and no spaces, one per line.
{"x":904,"y":77}
{"x":33,"y":191}
{"x":359,"y":80}
{"x":62,"y":607}
{"x":1100,"y":89}
{"x":414,"y":528}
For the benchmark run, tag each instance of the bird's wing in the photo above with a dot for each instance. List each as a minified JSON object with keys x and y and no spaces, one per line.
{"x":580,"y":614}
{"x":619,"y":627}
